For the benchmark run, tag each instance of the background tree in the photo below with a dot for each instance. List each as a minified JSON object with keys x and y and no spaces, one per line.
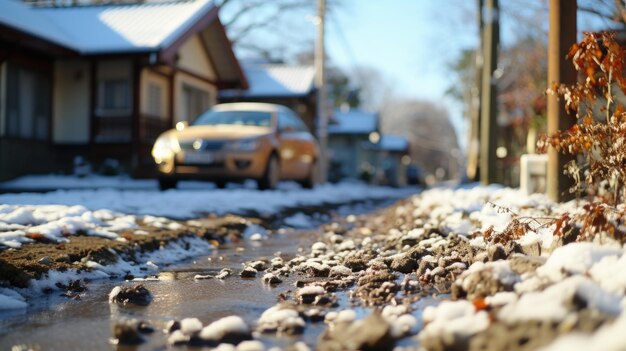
{"x":522,"y":72}
{"x":427,"y":126}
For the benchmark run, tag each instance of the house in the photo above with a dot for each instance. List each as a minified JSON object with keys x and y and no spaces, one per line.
{"x":289,"y":85}
{"x":349,"y":131}
{"x":390,"y":156}
{"x":103,"y":81}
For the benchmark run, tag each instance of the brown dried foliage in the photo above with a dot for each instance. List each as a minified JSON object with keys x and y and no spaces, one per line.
{"x":599,"y":134}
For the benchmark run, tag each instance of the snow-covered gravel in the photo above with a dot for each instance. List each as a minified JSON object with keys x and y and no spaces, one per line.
{"x":508,"y":291}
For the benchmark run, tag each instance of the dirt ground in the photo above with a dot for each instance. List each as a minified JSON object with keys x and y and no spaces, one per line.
{"x":18,"y":266}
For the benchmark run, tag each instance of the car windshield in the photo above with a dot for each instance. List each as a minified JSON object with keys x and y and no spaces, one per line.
{"x":244,"y":118}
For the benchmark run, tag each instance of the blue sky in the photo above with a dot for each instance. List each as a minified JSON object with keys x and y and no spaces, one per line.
{"x":409,"y":41}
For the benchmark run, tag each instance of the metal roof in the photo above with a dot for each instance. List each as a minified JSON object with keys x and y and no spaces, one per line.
{"x":393,"y":143}
{"x":275,"y":80}
{"x":353,"y":121}
{"x":149,"y":26}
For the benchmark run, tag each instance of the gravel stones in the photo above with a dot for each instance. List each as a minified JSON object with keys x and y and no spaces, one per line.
{"x":480,"y":283}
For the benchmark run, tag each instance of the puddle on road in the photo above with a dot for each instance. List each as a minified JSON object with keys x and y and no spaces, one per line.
{"x":55,"y":323}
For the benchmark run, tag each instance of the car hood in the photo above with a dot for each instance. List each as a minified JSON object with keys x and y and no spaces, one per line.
{"x":220,"y":132}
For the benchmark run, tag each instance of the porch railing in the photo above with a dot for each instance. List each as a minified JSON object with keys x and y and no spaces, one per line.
{"x":119,"y":129}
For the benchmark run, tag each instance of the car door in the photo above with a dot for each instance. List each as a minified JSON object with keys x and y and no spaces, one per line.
{"x":292,"y":139}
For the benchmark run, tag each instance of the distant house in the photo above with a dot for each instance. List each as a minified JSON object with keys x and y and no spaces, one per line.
{"x":289,"y":85}
{"x":104,"y":81}
{"x":348,"y":134}
{"x":391,"y":158}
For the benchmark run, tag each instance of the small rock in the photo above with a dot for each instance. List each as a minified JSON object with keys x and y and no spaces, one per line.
{"x":258,"y":265}
{"x":403,"y":264}
{"x":340,"y":271}
{"x":256,"y":237}
{"x":371,"y":333}
{"x":271,"y":279}
{"x":251,"y":345}
{"x":224,"y":273}
{"x":24,"y":347}
{"x":356,"y":264}
{"x":282,"y":319}
{"x":172,"y":326}
{"x":127,"y":333}
{"x":45,"y":260}
{"x":521,"y":264}
{"x":248,"y":272}
{"x":513,"y":247}
{"x":145,"y":327}
{"x":533,"y":249}
{"x":136,"y":295}
{"x":314,"y":315}
{"x":307,"y":294}
{"x":189,"y":326}
{"x":496,"y":252}
{"x":178,"y":338}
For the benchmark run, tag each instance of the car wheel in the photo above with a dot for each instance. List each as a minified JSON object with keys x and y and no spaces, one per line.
{"x":271,"y":176}
{"x":311,"y":178}
{"x":167,"y":183}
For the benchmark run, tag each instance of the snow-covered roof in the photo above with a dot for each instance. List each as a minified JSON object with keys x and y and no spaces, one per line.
{"x":393,"y":143}
{"x":353,"y":121}
{"x":149,"y":26}
{"x":275,"y":80}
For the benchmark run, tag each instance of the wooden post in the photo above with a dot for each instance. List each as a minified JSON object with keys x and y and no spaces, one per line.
{"x":489,"y":103}
{"x":320,"y":84}
{"x":473,"y":146}
{"x":561,"y":36}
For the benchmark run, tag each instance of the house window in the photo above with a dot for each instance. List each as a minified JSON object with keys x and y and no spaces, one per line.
{"x":114,"y":97}
{"x":114,"y":122}
{"x":196,"y":101}
{"x":28,"y":103}
{"x":154,"y":100}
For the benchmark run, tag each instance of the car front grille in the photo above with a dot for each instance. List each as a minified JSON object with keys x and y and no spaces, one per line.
{"x":206,"y":145}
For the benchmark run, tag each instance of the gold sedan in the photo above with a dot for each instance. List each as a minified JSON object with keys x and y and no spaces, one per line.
{"x":238,"y":141}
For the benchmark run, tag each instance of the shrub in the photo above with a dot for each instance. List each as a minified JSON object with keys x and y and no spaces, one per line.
{"x":599,"y":136}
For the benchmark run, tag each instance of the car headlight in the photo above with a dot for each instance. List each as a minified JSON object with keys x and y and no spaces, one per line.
{"x":164,"y":148}
{"x":243,"y":145}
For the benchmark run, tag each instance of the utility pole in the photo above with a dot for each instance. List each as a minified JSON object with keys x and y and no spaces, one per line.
{"x":320,"y":84}
{"x":473,"y":157}
{"x":561,"y":36}
{"x":489,"y":103}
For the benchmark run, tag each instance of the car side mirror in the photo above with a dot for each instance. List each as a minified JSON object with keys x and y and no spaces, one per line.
{"x":182,"y":125}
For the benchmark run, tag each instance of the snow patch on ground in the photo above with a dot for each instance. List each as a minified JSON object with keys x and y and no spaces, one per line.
{"x":143,"y":264}
{"x":182,"y":203}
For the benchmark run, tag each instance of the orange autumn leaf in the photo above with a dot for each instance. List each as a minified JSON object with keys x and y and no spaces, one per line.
{"x":480,"y":304}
